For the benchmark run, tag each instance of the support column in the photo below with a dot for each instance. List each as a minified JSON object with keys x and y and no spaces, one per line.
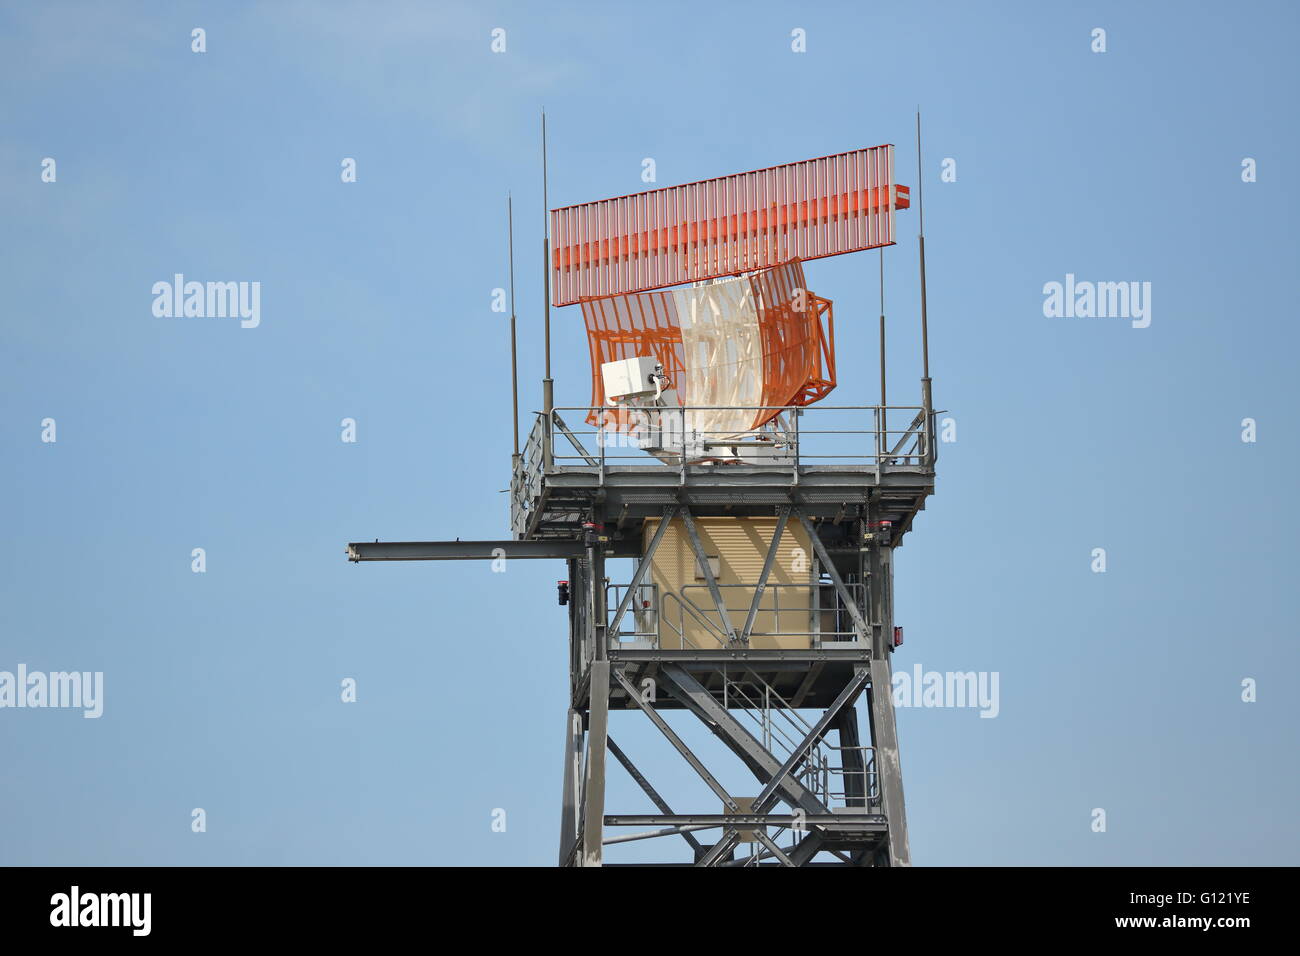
{"x":593,"y":792}
{"x":593,"y":810}
{"x":572,"y":796}
{"x":884,"y":732}
{"x":888,"y":769}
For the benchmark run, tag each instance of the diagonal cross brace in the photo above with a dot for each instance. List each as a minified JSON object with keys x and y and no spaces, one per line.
{"x":642,"y":566}
{"x":728,"y":729}
{"x":677,"y":742}
{"x":649,"y":790}
{"x":911,"y":431}
{"x":573,"y":440}
{"x":810,"y":844}
{"x":775,"y":850}
{"x":730,"y":837}
{"x":851,"y":605}
{"x":851,"y":690}
{"x":782,"y":517}
{"x":707,"y":571}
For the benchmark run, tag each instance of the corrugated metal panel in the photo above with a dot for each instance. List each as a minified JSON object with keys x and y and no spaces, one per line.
{"x":740,"y":544}
{"x":726,"y":226}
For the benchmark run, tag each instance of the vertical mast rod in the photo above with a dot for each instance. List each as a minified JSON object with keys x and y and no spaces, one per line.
{"x":548,"y":384}
{"x":883,"y":401}
{"x":514,"y":347}
{"x":920,"y":197}
{"x":927,"y":398}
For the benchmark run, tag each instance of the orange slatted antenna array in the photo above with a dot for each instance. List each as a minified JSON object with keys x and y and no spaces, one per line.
{"x":796,"y":329}
{"x":626,"y":326}
{"x":798,"y":352}
{"x":725,"y":226}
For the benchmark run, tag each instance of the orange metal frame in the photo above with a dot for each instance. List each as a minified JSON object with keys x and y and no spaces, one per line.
{"x":797,"y":329}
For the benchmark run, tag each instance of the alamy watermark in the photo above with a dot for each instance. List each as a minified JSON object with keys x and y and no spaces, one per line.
{"x":128,"y":910}
{"x":1102,"y":300}
{"x":208,"y":300}
{"x":922,"y":688}
{"x":83,"y":689}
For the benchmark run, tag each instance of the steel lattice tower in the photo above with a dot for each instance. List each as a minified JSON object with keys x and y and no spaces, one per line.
{"x":806,"y":708}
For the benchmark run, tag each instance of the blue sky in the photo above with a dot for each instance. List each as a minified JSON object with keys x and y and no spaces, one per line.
{"x":1119,"y":690}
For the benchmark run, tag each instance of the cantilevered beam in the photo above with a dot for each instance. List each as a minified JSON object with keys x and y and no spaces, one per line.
{"x":462,"y":550}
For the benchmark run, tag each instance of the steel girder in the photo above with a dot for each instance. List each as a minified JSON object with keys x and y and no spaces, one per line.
{"x":869,"y":829}
{"x":860,"y":829}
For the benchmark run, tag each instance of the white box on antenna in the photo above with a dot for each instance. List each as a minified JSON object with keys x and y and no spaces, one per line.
{"x":629,"y":378}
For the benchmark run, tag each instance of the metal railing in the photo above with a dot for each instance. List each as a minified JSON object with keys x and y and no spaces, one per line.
{"x":643,"y":615}
{"x":646,"y":624}
{"x":865,"y":435}
{"x":825,"y":776}
{"x":868,"y":437}
{"x":526,"y":482}
{"x":781,"y":728}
